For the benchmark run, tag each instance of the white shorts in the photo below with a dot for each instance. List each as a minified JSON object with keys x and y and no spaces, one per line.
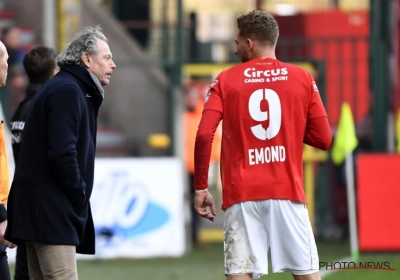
{"x":252,"y":228}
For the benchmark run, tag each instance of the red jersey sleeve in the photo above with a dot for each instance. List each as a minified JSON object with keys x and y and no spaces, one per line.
{"x":213,"y":100}
{"x":316,"y":108}
{"x":318,"y":133}
{"x":202,"y":148}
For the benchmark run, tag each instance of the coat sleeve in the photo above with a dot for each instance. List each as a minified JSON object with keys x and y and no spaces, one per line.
{"x":64,"y":117}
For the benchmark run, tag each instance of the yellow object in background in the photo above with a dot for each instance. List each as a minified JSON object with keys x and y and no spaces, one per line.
{"x":159,"y":141}
{"x":4,"y":171}
{"x":345,"y":140}
{"x":311,"y":156}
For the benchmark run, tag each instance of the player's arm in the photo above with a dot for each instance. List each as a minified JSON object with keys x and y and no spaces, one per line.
{"x":202,"y":149}
{"x":318,"y":133}
{"x":203,"y":202}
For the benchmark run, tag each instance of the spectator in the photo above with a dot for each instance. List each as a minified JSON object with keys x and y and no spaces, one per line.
{"x":194,"y":99}
{"x":17,"y":81}
{"x":12,"y":40}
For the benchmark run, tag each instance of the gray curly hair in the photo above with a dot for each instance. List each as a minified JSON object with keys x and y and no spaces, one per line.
{"x":84,"y":41}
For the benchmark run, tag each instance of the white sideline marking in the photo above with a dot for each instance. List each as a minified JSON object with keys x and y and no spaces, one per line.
{"x":325,"y":273}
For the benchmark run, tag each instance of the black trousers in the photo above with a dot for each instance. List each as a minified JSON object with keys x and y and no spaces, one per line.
{"x":21,"y":264}
{"x":4,"y":269}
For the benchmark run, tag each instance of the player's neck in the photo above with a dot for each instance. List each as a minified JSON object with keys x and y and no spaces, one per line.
{"x":265,"y":53}
{"x":268,"y":56}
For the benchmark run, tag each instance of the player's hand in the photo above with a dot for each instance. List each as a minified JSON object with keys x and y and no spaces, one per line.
{"x":204,"y":205}
{"x":8,"y":244}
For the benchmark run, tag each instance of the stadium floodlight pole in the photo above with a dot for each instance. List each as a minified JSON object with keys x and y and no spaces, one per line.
{"x":49,"y":23}
{"x":351,"y":204}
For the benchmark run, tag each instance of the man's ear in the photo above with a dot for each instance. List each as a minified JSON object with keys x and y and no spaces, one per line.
{"x":249,"y":43}
{"x":86,"y":59}
{"x":53,"y":73}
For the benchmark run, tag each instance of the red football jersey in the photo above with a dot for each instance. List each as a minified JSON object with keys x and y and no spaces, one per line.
{"x":265,"y":105}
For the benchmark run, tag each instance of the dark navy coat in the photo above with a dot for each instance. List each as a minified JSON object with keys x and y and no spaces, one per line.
{"x":49,"y":196}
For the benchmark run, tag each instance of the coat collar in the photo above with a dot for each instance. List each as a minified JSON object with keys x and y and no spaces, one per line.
{"x":97,"y":82}
{"x":86,"y":77}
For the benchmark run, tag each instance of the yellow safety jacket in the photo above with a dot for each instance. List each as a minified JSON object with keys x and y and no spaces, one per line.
{"x":4,"y":169}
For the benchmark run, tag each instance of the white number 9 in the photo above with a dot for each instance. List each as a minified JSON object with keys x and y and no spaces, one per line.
{"x":275,"y":113}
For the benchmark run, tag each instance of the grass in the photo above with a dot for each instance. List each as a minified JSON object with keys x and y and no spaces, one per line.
{"x":206,"y":263}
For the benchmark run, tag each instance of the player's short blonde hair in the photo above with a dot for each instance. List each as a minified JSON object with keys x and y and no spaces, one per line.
{"x":259,"y":26}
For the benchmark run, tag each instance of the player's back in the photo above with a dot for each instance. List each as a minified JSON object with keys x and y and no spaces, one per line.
{"x":266,"y":104}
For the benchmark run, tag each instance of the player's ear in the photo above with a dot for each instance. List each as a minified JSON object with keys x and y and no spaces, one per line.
{"x":249,"y":43}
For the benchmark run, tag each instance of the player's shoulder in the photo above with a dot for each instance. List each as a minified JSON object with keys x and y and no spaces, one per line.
{"x":225,"y":76}
{"x":236,"y":70}
{"x":295,"y":68}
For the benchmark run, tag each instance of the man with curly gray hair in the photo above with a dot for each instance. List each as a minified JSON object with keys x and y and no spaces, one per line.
{"x":49,"y":207}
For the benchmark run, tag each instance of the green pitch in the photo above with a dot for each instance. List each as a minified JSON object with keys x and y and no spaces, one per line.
{"x":206,"y":263}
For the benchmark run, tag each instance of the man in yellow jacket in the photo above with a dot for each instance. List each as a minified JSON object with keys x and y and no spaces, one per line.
{"x":4,"y":177}
{"x":194,"y":99}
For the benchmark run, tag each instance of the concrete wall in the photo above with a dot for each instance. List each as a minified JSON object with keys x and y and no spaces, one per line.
{"x":137,"y":98}
{"x":136,"y":101}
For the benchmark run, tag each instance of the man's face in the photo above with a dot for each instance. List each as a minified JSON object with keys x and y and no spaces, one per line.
{"x":3,"y":64}
{"x":101,"y":64}
{"x":242,"y":48}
